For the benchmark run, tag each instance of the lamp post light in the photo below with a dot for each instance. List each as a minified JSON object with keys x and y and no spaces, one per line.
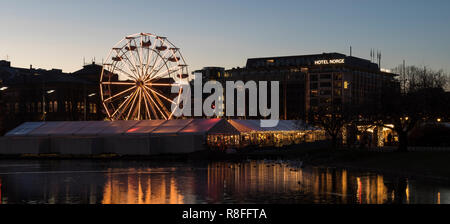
{"x":44,"y":93}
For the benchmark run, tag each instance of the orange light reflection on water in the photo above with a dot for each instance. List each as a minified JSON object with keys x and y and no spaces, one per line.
{"x":139,"y":188}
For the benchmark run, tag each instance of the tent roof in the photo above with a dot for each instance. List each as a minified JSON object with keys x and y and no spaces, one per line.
{"x":152,"y":127}
{"x":255,"y":126}
{"x":24,"y":129}
{"x":224,"y":127}
{"x":200,"y":126}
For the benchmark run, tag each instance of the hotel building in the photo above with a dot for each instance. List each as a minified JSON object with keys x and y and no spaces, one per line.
{"x":309,"y":82}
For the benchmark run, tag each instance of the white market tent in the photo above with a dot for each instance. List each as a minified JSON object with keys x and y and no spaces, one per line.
{"x":148,"y":137}
{"x":108,"y":137}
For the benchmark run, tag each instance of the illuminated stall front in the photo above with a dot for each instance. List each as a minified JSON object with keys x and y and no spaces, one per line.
{"x":244,"y":133}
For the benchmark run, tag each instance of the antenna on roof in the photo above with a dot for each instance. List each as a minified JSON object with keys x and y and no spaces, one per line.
{"x":379,"y":58}
{"x":84,"y":61}
{"x":350,"y":51}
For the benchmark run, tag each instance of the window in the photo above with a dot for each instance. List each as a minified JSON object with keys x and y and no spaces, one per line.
{"x":346,"y":84}
{"x":314,"y":85}
{"x":325,"y":92}
{"x":325,"y":76}
{"x":55,"y":106}
{"x":16,"y":107}
{"x":337,"y":76}
{"x":337,"y":84}
{"x":325,"y":84}
{"x":314,"y":78}
{"x":325,"y":100}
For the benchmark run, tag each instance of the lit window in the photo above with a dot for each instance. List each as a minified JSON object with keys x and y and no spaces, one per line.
{"x":346,"y":85}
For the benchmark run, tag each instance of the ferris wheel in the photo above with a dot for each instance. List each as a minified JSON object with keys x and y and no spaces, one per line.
{"x":138,"y":76}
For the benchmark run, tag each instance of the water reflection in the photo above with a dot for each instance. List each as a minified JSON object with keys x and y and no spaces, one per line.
{"x":141,"y":188}
{"x":93,"y":182}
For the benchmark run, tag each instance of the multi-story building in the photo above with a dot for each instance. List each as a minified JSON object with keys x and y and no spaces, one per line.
{"x":310,"y":82}
{"x":29,"y":94}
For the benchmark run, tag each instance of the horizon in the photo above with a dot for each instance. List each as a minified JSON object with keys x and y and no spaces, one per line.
{"x":60,"y":34}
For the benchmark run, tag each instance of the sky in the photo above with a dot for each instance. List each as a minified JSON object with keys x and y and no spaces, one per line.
{"x":60,"y":33}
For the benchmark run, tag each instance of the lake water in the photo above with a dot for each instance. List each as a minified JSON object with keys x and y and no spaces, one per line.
{"x":148,"y":182}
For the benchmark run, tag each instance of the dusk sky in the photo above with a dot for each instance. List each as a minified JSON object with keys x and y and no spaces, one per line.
{"x":58,"y":34}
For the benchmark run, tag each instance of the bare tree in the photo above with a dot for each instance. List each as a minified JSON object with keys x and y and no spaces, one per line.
{"x":332,"y":118}
{"x":413,"y":78}
{"x":422,"y":98}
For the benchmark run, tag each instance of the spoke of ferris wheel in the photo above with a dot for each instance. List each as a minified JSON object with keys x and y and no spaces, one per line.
{"x":161,"y":103}
{"x":139,"y":104}
{"x":160,"y":59}
{"x":149,"y":57}
{"x":156,"y":105}
{"x":122,"y":104}
{"x":168,"y":72}
{"x":155,"y":113}
{"x":139,"y":55}
{"x":119,"y":83}
{"x":162,"y":42}
{"x":127,"y":62}
{"x":116,"y":67}
{"x":159,"y":94}
{"x":150,"y":84}
{"x":119,"y":94}
{"x":134,"y":58}
{"x":154,"y":75}
{"x":146,"y":108}
{"x":137,"y":107}
{"x":132,"y":105}
{"x":140,"y":49}
{"x":178,"y":103}
{"x":133,"y":68}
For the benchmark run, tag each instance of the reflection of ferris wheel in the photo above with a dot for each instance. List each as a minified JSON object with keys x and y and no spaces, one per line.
{"x":138,"y":76}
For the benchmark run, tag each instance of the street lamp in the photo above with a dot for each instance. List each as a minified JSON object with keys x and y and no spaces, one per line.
{"x":3,"y":88}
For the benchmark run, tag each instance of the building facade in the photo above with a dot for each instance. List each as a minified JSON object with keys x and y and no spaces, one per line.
{"x":29,"y":94}
{"x":310,"y":82}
